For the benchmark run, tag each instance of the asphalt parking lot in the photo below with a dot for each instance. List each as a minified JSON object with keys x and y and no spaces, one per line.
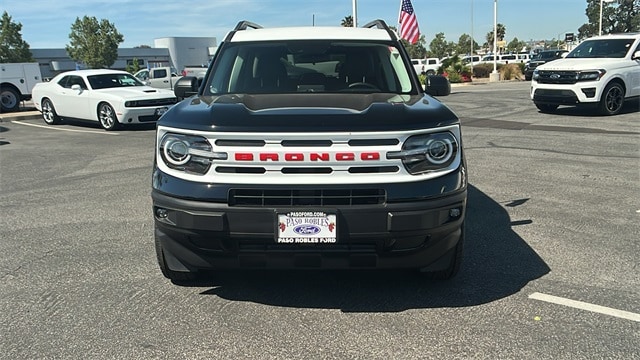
{"x":550,"y":270}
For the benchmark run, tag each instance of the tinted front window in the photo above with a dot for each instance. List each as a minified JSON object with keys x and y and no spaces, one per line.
{"x":602,"y":48}
{"x":105,"y":81}
{"x":309,"y":66}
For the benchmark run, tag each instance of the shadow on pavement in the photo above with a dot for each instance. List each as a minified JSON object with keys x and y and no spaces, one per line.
{"x":497,"y":263}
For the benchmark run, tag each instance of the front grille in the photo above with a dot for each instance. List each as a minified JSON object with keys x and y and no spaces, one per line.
{"x":556,"y":77}
{"x":312,"y":197}
{"x":152,"y":102}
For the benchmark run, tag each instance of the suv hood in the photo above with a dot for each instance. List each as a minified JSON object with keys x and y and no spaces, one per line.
{"x":582,"y":64}
{"x":308,"y":112}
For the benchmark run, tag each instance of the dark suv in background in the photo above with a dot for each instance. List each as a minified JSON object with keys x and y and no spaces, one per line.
{"x":542,"y":58}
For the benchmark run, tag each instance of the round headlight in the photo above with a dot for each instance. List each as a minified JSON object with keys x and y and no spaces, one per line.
{"x":439,"y":151}
{"x":176,"y":151}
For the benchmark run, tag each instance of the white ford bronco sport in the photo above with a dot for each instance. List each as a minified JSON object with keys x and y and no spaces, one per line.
{"x":602,"y":71}
{"x":312,"y":147}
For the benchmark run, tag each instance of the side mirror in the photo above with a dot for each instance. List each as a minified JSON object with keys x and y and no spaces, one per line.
{"x":186,"y":86}
{"x":437,"y":85}
{"x":76,"y":87}
{"x":636,"y":55}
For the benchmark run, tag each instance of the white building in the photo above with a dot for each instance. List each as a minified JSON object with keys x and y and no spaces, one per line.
{"x":188,"y":51}
{"x":176,"y":52}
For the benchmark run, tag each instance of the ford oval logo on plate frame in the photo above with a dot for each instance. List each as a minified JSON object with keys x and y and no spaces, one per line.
{"x":306,"y":227}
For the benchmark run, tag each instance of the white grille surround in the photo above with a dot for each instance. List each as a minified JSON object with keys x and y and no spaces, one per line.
{"x":332,"y":158}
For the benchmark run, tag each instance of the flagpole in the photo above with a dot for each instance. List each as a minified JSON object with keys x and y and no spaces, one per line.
{"x":495,"y":75}
{"x":355,"y":13}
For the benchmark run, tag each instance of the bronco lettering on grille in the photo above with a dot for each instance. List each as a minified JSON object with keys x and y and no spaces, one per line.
{"x":343,"y":156}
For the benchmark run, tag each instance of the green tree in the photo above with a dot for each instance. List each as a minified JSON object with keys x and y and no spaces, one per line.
{"x":94,"y":43}
{"x":502,"y":30}
{"x":439,"y":47}
{"x":617,"y":17}
{"x":12,"y":47}
{"x":516,"y":45}
{"x":464,"y":44}
{"x":417,"y":50}
{"x":134,"y":67}
{"x":347,"y":21}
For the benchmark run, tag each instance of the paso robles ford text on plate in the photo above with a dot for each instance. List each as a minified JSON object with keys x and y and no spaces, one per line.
{"x":302,"y":227}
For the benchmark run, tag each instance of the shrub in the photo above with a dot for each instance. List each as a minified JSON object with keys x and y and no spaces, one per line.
{"x":423,"y":78}
{"x":482,"y":70}
{"x":510,"y":72}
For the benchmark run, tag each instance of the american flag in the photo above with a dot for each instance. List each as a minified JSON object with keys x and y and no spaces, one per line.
{"x":408,"y":23}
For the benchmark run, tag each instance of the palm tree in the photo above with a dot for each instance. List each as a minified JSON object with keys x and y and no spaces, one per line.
{"x":347,"y":21}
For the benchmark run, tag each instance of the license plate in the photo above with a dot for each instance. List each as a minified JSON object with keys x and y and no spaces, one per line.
{"x":161,"y":111}
{"x":306,"y":227}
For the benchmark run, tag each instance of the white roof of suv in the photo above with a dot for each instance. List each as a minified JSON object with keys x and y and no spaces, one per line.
{"x":311,"y":33}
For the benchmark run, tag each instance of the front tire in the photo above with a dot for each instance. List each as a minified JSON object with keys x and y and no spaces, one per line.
{"x":178,"y":277}
{"x":612,"y":99}
{"x":49,"y":114}
{"x":107,"y":117}
{"x":453,"y":259}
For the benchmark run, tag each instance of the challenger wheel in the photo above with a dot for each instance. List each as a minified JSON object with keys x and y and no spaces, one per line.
{"x":107,"y":117}
{"x":49,"y":114}
{"x":612,"y":99}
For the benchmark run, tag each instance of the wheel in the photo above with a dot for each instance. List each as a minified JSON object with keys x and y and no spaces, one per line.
{"x":453,"y":260}
{"x":430,"y":72}
{"x":174,"y":276}
{"x":10,"y":99}
{"x":612,"y":99}
{"x":547,"y":108}
{"x":49,"y":114}
{"x":107,"y":117}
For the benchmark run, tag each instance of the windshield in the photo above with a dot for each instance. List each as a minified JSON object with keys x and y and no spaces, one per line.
{"x":105,"y":81}
{"x":309,"y":66}
{"x":602,"y":48}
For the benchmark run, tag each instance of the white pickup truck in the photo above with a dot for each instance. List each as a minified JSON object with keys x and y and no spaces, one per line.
{"x":428,"y":66}
{"x":16,"y":82}
{"x":159,"y":78}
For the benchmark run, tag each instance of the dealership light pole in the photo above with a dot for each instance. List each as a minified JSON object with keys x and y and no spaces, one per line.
{"x":495,"y":76}
{"x":355,"y":13}
{"x":471,"y":53}
{"x":601,"y":3}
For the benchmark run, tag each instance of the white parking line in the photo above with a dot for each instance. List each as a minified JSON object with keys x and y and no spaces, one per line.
{"x":64,"y":129}
{"x":586,"y":306}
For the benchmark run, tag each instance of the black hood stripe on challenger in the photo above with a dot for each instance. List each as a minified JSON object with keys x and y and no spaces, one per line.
{"x":306,"y":112}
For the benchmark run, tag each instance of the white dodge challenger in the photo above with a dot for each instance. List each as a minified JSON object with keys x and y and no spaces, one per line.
{"x":110,"y":97}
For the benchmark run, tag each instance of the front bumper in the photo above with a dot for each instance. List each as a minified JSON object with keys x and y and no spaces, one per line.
{"x":565,"y":94}
{"x":200,"y":235}
{"x":142,"y":115}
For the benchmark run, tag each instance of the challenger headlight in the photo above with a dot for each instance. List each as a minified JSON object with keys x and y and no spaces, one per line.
{"x":192,"y":154}
{"x":428,"y":152}
{"x":590,"y":75}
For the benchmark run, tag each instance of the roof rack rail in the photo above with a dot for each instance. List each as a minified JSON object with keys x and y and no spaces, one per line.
{"x":244,"y":25}
{"x":380,"y":24}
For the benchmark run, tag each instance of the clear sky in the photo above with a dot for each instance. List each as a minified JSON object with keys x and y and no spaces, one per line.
{"x":47,"y":23}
